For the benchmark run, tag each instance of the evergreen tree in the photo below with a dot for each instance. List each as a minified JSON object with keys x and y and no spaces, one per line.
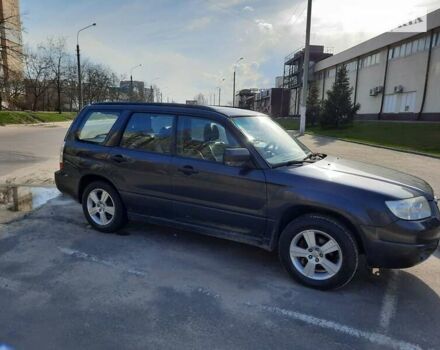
{"x":313,"y":106}
{"x":338,"y":109}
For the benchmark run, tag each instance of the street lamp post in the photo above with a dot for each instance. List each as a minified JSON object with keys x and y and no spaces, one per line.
{"x":303,"y":111}
{"x":131,"y":80}
{"x":233,"y":86}
{"x":80,"y":98}
{"x":220,"y":91}
{"x":152,"y":90}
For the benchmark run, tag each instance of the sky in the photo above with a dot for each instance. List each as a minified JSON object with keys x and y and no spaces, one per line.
{"x":188,"y":47}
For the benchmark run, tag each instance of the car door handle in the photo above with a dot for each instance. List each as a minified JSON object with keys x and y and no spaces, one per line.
{"x":188,"y":170}
{"x":118,"y":158}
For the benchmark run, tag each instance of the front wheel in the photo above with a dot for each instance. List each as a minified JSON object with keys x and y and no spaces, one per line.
{"x":319,"y":252}
{"x":103,"y":207}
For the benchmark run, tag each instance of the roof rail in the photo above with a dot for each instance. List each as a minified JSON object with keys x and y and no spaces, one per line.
{"x":184,"y":105}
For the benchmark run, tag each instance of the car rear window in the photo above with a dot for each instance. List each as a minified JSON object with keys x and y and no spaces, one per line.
{"x":97,"y":126}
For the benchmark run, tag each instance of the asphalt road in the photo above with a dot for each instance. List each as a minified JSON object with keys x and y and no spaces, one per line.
{"x":24,"y":145}
{"x":66,"y":286}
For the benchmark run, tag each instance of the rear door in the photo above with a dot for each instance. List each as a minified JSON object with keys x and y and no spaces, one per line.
{"x":210,"y":193}
{"x":85,"y":150}
{"x":142,"y":163}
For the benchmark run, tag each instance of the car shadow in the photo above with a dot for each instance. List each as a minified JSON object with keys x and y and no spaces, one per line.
{"x":437,"y":253}
{"x":258,"y":268}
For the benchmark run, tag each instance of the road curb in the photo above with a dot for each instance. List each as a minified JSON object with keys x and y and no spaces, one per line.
{"x":295,"y":132}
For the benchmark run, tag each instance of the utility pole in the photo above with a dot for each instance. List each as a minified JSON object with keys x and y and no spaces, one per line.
{"x":131,"y":80}
{"x":233,"y":84}
{"x":220,"y":90}
{"x":303,"y":108}
{"x":78,"y":59}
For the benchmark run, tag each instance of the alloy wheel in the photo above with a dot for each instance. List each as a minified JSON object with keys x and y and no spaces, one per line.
{"x":315,"y":254}
{"x":100,"y":206}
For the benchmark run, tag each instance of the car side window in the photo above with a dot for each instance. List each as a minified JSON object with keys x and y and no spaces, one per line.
{"x":203,"y":138}
{"x":149,"y":132}
{"x":97,"y":126}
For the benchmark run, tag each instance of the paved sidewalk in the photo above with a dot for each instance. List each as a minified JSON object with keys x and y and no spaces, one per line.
{"x":426,"y":168}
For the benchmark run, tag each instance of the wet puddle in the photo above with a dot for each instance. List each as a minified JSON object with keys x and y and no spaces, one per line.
{"x":25,"y":198}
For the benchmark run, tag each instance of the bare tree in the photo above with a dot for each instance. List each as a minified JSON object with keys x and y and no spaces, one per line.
{"x":201,"y":99}
{"x":56,"y":57}
{"x":16,"y":90}
{"x":98,"y":83}
{"x":37,"y":75}
{"x":11,"y":54}
{"x":71,"y":85}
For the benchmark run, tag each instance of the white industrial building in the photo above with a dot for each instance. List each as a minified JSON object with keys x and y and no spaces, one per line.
{"x":395,"y":75}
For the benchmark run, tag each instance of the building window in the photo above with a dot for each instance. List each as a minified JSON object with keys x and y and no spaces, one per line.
{"x":436,"y":39}
{"x":408,"y":102}
{"x":389,"y":103}
{"x":409,"y":48}
{"x":330,"y":73}
{"x":370,"y":60}
{"x":400,"y":103}
{"x":351,"y":66}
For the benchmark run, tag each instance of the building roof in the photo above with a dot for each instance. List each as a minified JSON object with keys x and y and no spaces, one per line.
{"x":376,"y":43}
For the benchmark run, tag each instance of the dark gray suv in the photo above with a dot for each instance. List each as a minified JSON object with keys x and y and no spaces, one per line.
{"x":238,"y":175}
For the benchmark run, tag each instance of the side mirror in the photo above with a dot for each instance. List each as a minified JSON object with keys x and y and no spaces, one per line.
{"x":236,"y":156}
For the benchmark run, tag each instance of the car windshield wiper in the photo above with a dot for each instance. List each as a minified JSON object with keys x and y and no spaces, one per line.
{"x":292,"y":162}
{"x":310,"y":158}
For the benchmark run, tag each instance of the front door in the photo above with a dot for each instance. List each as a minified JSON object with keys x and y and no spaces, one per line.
{"x":210,"y":193}
{"x":142,"y":164}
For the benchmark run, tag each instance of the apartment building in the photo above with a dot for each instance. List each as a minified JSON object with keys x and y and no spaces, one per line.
{"x":11,"y":58}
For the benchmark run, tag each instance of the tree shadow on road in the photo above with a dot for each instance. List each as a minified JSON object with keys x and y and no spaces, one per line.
{"x":317,"y":141}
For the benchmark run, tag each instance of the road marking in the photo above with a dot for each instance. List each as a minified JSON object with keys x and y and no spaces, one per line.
{"x":373,"y":337}
{"x":95,"y":259}
{"x":389,"y":302}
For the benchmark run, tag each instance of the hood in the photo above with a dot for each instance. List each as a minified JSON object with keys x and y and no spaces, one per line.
{"x":374,"y":177}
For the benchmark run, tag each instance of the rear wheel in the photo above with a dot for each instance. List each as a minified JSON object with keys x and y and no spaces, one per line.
{"x":319,"y":252}
{"x":103,"y":207}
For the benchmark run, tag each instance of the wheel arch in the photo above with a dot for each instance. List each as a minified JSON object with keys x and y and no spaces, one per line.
{"x":294,"y":212}
{"x":88,"y":179}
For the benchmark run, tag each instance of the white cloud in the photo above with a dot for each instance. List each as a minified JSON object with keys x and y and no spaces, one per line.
{"x":189,"y":60}
{"x":264,"y":26}
{"x":248,"y":9}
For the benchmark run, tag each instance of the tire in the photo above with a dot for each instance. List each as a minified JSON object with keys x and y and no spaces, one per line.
{"x":105,"y":217}
{"x":298,"y":249}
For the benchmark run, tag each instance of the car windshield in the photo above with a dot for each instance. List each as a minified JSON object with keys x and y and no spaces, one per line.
{"x":274,"y":144}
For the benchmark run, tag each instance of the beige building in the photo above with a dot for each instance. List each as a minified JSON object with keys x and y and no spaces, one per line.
{"x":395,"y":75}
{"x":10,"y":39}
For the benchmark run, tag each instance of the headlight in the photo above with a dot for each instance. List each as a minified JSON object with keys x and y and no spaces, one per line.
{"x":410,"y":209}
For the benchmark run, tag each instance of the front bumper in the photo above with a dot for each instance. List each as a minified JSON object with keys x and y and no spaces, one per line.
{"x":402,"y":243}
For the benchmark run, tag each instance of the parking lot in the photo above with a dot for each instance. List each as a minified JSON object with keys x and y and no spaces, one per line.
{"x":66,"y":286}
{"x":63,"y":285}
